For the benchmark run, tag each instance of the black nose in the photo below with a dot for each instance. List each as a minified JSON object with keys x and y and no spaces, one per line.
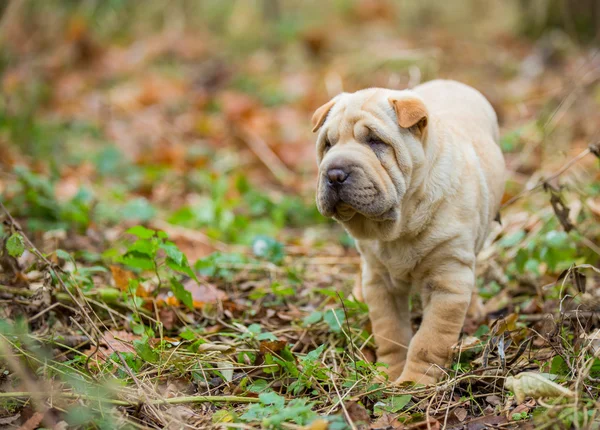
{"x":336,"y":176}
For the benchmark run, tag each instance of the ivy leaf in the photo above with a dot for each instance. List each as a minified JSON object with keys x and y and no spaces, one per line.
{"x":183,"y":295}
{"x":15,"y":245}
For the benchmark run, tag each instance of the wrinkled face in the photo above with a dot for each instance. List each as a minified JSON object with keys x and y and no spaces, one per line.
{"x":369,"y":144}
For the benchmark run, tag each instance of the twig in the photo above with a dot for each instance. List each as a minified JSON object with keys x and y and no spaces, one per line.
{"x":84,"y":311}
{"x":266,"y":155}
{"x":555,"y":175}
{"x":117,"y":402}
{"x":350,"y":422}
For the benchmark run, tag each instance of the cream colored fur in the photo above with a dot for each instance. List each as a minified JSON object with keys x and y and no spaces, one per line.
{"x":425,"y":180}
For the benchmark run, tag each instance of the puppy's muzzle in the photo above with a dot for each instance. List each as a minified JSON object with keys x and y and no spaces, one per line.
{"x":336,"y":177}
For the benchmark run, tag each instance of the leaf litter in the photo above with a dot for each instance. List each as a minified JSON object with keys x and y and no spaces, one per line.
{"x":181,"y":276}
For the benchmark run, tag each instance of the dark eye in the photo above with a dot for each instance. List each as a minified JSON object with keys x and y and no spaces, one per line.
{"x":375,"y":142}
{"x":327,"y":145}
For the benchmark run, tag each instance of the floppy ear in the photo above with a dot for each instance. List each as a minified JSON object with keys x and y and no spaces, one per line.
{"x":320,"y":115}
{"x":411,"y":113}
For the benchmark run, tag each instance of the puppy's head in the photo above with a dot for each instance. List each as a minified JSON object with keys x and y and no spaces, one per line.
{"x":369,"y":147}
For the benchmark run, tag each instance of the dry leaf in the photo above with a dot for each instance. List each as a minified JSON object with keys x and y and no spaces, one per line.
{"x":530,"y":384}
{"x":121,"y":277}
{"x":206,"y":347}
{"x":272,"y":346}
{"x":33,"y":422}
{"x":357,"y":413}
{"x":318,"y":424}
{"x":460,"y":414}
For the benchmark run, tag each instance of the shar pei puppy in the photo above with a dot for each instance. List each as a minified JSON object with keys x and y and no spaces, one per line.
{"x":416,"y":177}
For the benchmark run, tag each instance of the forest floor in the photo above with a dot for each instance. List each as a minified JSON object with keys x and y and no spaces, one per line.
{"x":163,"y":264}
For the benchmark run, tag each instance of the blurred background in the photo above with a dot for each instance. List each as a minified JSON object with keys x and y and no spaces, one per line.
{"x":197,"y":113}
{"x":193,"y":117}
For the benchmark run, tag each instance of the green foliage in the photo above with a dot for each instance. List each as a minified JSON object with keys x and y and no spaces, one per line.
{"x":272,"y":411}
{"x":556,"y":250}
{"x":268,"y":249}
{"x":15,"y":245}
{"x":335,"y":319}
{"x":34,"y":199}
{"x":392,"y":405}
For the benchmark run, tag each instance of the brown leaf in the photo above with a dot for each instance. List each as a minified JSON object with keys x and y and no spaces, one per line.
{"x":272,"y":346}
{"x":319,"y":424}
{"x":460,"y":414}
{"x":493,"y":400}
{"x":121,"y":277}
{"x":119,"y":341}
{"x":358,"y":414}
{"x":387,"y":421}
{"x":204,"y":293}
{"x":486,"y":422}
{"x":33,"y":422}
{"x":168,"y":317}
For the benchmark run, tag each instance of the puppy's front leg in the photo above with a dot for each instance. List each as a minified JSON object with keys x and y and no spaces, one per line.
{"x":390,"y":319}
{"x":446,"y":296}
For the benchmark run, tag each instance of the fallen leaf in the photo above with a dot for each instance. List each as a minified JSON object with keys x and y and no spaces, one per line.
{"x":486,"y":422}
{"x":203,"y":293}
{"x":121,"y":277}
{"x":357,"y":413}
{"x":272,"y":346}
{"x":206,"y":347}
{"x":387,"y":421}
{"x":460,"y":414}
{"x":168,"y":317}
{"x":318,"y":424}
{"x":530,"y":384}
{"x":33,"y":422}
{"x":8,"y":420}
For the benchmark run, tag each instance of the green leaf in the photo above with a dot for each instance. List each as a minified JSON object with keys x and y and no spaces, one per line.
{"x":512,"y":240}
{"x":138,"y":262}
{"x":334,"y":318}
{"x":63,"y":254}
{"x":258,"y":386}
{"x":282,"y":290}
{"x":314,"y":354}
{"x":138,"y":209}
{"x":313,"y":318}
{"x":558,"y":366}
{"x":188,"y":334}
{"x":182,"y":268}
{"x":268,"y":248}
{"x":183,"y":295}
{"x":141,"y":232}
{"x":173,"y":252}
{"x":272,"y":398}
{"x":557,"y":239}
{"x":266,"y":336}
{"x":15,"y":245}
{"x":144,"y":246}
{"x":398,"y":402}
{"x":145,"y":351}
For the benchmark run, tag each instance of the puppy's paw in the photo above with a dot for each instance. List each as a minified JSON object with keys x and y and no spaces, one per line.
{"x":415,"y":378}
